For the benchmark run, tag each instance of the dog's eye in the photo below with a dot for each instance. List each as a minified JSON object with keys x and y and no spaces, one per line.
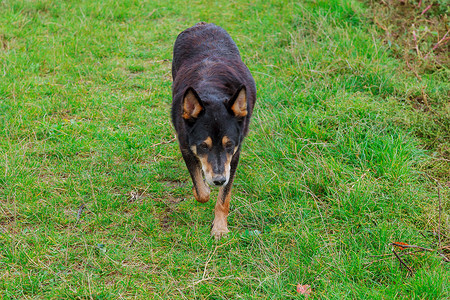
{"x":229,"y":145}
{"x":203,"y":146}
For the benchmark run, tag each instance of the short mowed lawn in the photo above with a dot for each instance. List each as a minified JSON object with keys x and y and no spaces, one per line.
{"x":95,"y":200}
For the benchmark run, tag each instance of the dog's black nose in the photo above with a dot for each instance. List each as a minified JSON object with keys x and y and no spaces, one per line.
{"x":219,"y":180}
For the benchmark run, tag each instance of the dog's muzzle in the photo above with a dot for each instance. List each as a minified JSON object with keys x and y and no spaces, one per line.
{"x":219,"y":180}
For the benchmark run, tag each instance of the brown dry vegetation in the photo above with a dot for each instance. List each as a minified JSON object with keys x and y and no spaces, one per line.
{"x":418,"y":33}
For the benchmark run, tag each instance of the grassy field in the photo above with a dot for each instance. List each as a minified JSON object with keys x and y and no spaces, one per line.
{"x":95,"y":200}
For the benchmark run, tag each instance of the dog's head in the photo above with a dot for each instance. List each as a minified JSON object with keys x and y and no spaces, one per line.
{"x":215,"y":130}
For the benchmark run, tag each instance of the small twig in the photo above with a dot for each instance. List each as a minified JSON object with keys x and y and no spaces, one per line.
{"x":210,"y":278}
{"x":444,"y":257}
{"x":425,"y":100}
{"x":441,"y":158}
{"x":416,"y":46}
{"x":411,"y":246}
{"x":316,"y":200}
{"x":380,"y":25}
{"x":415,"y":73}
{"x":209,"y":259}
{"x":164,"y":142}
{"x":80,"y":211}
{"x":421,"y":233}
{"x":368,"y":264}
{"x":441,"y":41}
{"x":381,"y":255}
{"x":402,"y":262}
{"x":132,"y":240}
{"x":426,"y":9}
{"x":389,"y":256}
{"x":207,"y":262}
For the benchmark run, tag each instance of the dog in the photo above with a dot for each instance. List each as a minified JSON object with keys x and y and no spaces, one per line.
{"x":213,"y":95}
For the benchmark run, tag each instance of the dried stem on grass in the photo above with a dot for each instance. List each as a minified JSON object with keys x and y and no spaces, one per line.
{"x":164,"y":142}
{"x":442,"y":41}
{"x":416,"y":45}
{"x":80,"y":211}
{"x":411,"y":246}
{"x":399,"y":255}
{"x":389,"y":256}
{"x":402,"y":262}
{"x":426,"y":9}
{"x":414,"y":71}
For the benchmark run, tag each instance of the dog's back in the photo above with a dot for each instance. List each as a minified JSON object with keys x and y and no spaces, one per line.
{"x":202,"y":41}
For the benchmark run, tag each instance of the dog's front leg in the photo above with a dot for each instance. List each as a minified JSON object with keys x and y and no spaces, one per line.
{"x":222,"y":208}
{"x":200,"y":189}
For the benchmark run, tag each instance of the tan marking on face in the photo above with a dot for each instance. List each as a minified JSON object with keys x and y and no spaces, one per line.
{"x":207,"y":168}
{"x":194,"y":149}
{"x":208,"y":171}
{"x":225,"y":140}
{"x":208,"y":142}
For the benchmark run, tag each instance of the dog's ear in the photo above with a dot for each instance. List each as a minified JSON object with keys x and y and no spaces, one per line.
{"x":192,"y":105}
{"x":238,"y":103}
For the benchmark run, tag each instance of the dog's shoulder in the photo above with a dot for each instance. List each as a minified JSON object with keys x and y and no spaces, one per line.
{"x":203,"y":40}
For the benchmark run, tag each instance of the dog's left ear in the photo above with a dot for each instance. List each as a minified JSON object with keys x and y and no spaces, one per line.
{"x":238,"y":103}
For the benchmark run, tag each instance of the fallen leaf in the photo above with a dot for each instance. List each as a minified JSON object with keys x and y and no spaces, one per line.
{"x":400,"y":243}
{"x":304,"y":289}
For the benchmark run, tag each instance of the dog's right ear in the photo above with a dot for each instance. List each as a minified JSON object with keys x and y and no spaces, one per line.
{"x":192,"y":105}
{"x":238,"y":103}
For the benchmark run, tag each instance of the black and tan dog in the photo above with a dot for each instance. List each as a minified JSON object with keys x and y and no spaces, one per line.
{"x":213,"y":97}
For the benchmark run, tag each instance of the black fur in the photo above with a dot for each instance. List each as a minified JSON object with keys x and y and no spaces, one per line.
{"x":207,"y":62}
{"x":206,"y":59}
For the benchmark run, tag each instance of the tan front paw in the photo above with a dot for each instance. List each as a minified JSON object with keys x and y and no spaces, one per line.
{"x":219,"y":231}
{"x":204,"y":197}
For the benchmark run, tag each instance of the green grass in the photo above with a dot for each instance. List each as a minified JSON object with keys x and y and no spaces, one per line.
{"x":331,"y":172}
